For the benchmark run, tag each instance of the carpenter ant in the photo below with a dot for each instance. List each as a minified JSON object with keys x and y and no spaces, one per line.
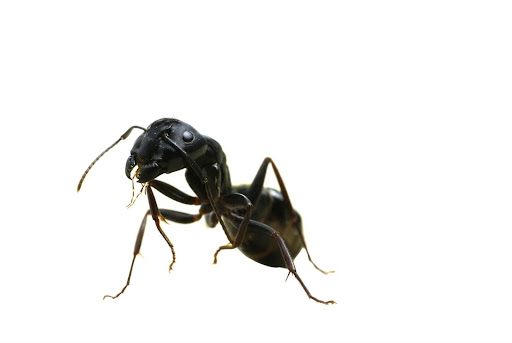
{"x":259,"y":221}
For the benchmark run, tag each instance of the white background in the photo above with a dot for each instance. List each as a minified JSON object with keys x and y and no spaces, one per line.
{"x":388,"y":120}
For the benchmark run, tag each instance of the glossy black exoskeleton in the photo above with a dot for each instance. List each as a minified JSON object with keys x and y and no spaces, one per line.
{"x":259,"y":221}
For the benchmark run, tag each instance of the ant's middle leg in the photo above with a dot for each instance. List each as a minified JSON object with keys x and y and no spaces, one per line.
{"x":256,"y":189}
{"x":233,"y":202}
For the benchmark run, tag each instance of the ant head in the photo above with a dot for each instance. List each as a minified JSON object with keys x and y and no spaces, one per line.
{"x":164,"y":147}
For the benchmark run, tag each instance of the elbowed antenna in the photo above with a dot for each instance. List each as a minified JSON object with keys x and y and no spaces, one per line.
{"x":123,"y":136}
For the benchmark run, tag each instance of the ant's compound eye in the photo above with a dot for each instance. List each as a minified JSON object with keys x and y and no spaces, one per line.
{"x":188,"y":137}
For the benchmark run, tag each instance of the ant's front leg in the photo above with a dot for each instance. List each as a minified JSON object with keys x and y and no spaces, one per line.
{"x":175,"y":216}
{"x":136,"y":251}
{"x":180,"y":217}
{"x":174,"y":193}
{"x":156,"y":215}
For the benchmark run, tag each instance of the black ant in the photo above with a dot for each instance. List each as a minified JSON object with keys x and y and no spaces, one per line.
{"x":259,"y":221}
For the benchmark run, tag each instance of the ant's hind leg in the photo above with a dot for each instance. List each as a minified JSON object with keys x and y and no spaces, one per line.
{"x":264,"y":229}
{"x":299,"y":230}
{"x":256,"y":189}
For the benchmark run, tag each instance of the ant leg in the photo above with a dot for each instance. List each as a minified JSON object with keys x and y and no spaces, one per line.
{"x":257,"y":187}
{"x":222,"y":247}
{"x":180,"y":217}
{"x":174,"y":193}
{"x":174,"y":216}
{"x":155,"y":214}
{"x":233,"y":202}
{"x":257,"y":226}
{"x":136,"y":251}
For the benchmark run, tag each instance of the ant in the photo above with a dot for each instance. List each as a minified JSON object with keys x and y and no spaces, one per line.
{"x":260,"y":222}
